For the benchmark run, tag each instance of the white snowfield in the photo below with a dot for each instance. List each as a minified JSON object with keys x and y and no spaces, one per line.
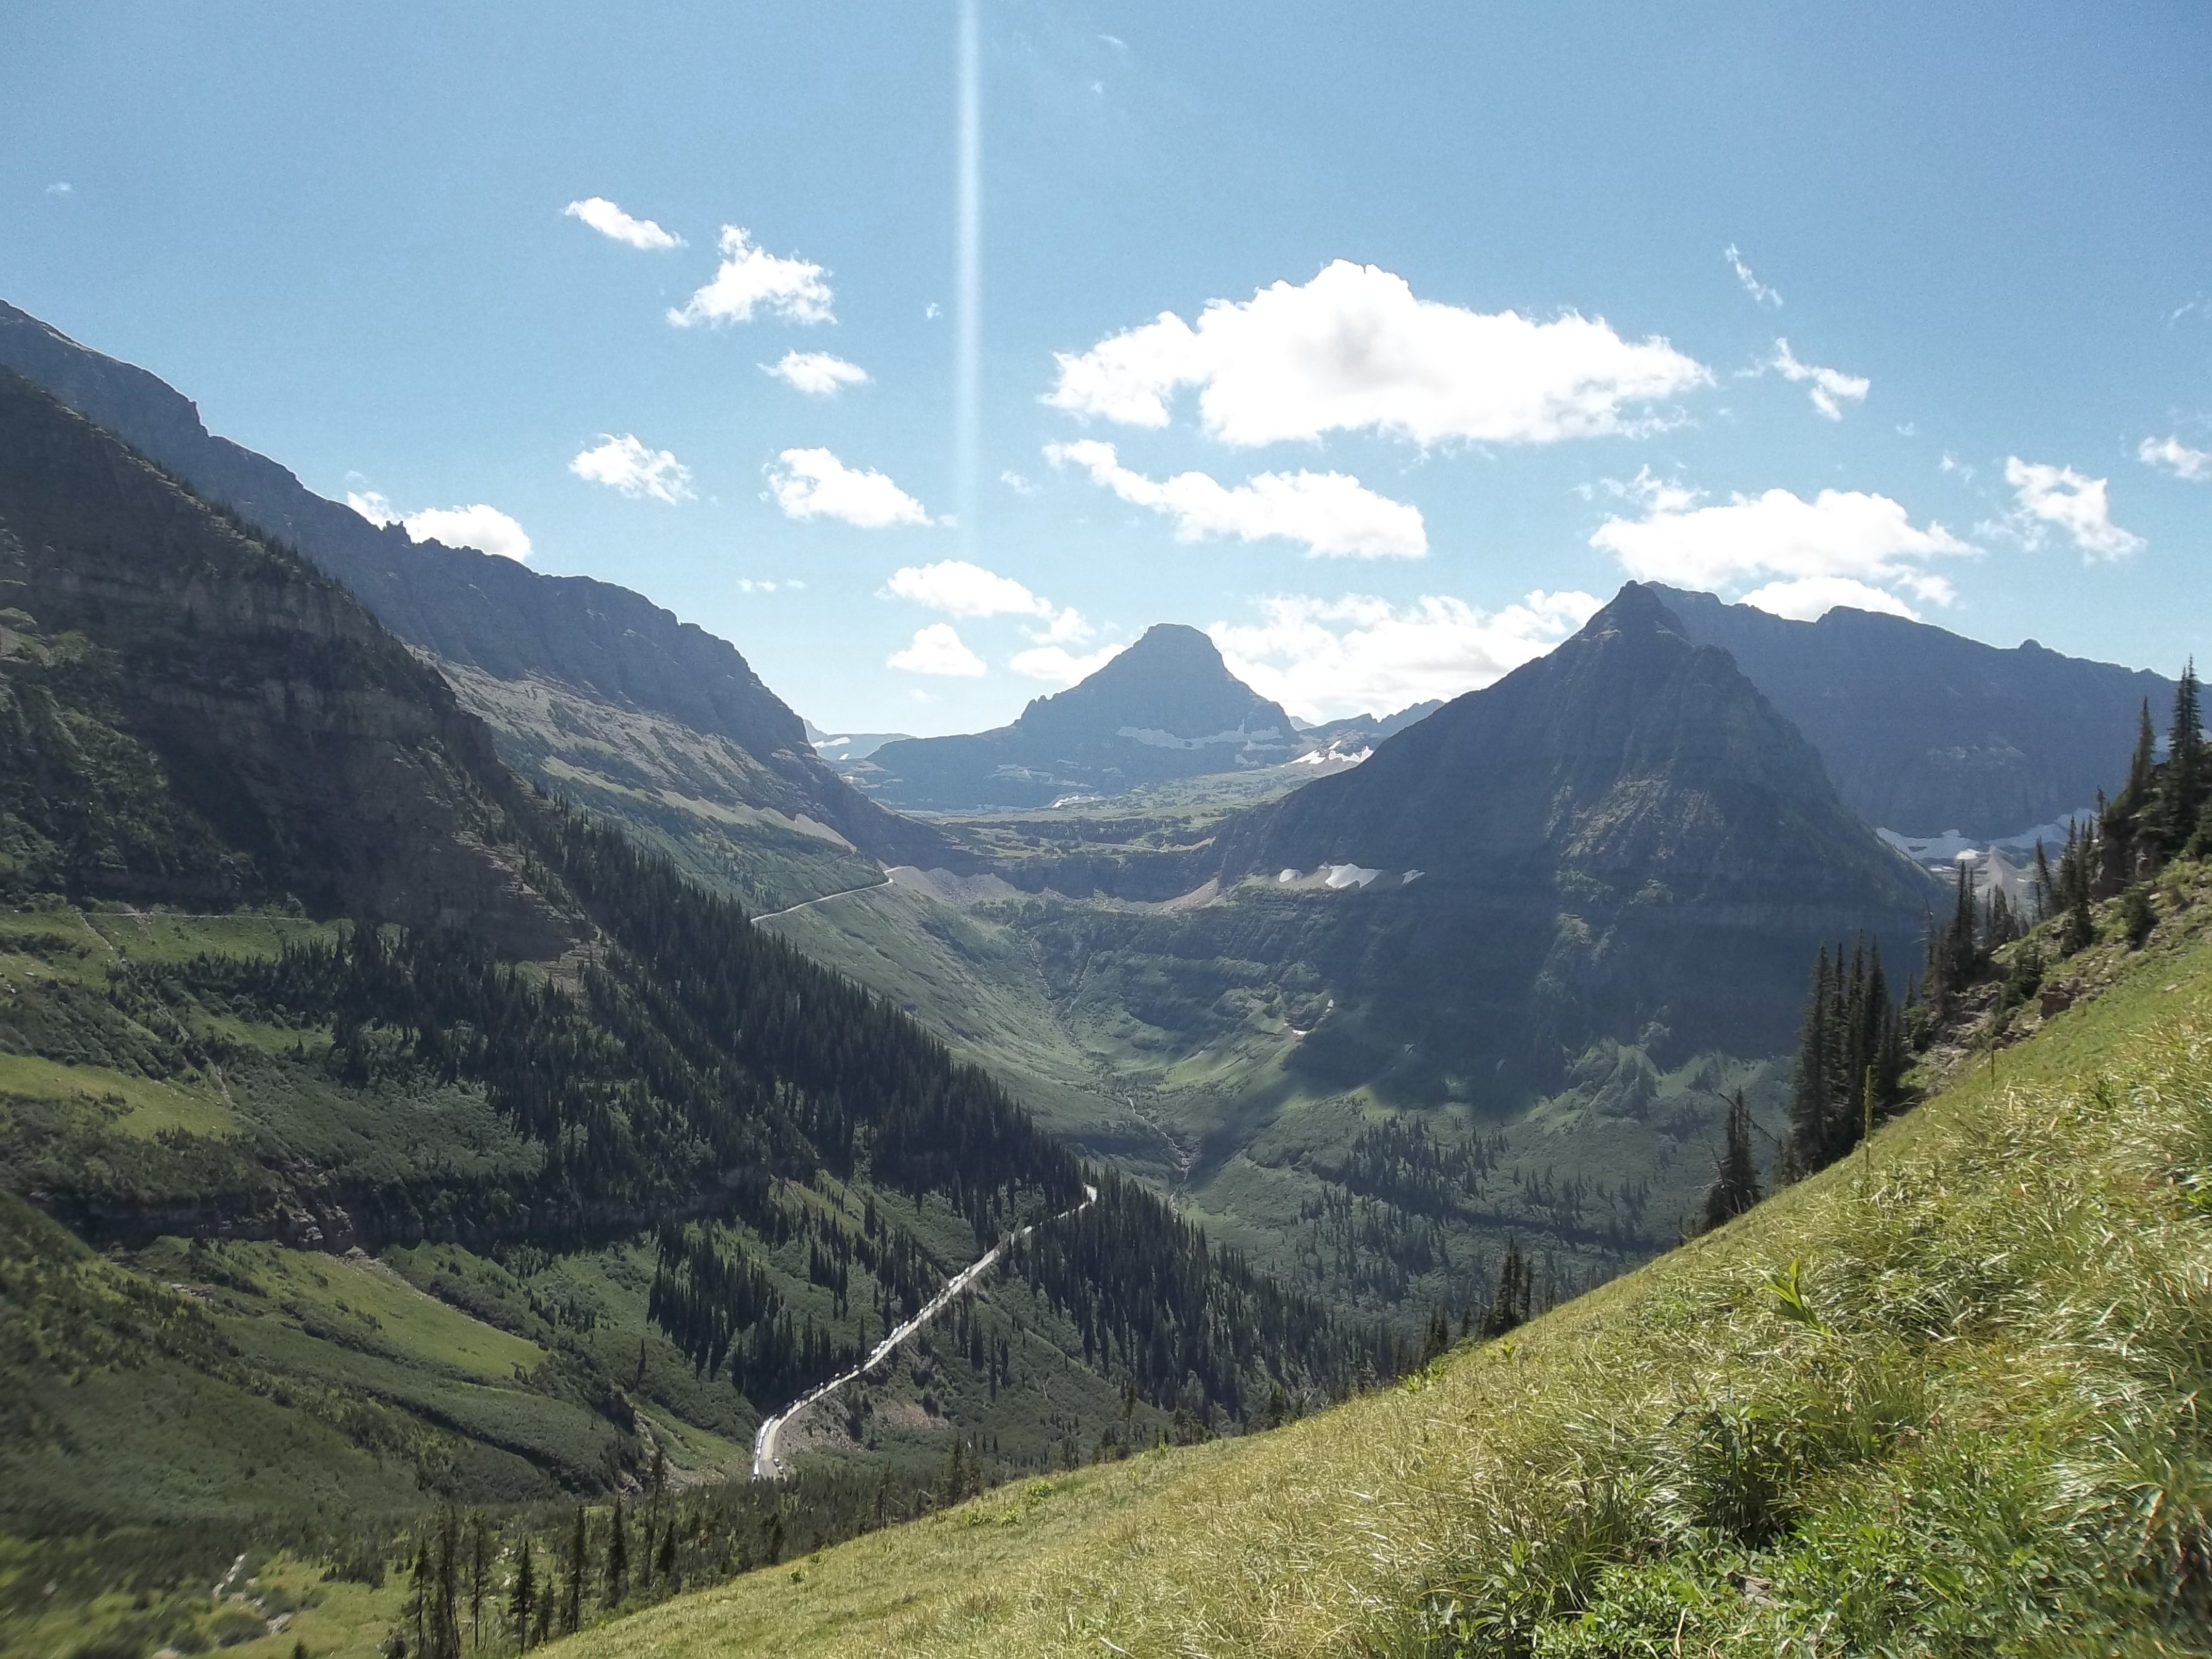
{"x":767,"y":1466}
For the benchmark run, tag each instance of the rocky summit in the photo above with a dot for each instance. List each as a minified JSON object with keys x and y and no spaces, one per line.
{"x":1166,"y":707}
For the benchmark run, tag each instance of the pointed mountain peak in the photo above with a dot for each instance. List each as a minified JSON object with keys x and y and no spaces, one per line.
{"x":1638,"y":608}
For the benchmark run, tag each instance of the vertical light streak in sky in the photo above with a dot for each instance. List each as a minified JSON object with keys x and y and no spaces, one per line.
{"x":968,"y":277}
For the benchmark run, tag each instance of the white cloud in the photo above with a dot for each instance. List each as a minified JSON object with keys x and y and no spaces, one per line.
{"x":756,"y":585}
{"x":61,"y":187}
{"x":1808,"y":599}
{"x":1322,"y":658}
{"x":1866,"y":540}
{"x":1331,"y":513}
{"x":936,"y":649}
{"x":751,"y":278}
{"x":1832,"y":387}
{"x":1061,"y":666}
{"x":961,"y":589}
{"x":484,"y":528}
{"x":2058,"y":497}
{"x":817,"y":373}
{"x":1019,"y":484}
{"x":610,"y":221}
{"x":813,"y":483}
{"x":624,"y":464}
{"x":2172,"y":455}
{"x":1769,"y":297}
{"x":1353,"y":349}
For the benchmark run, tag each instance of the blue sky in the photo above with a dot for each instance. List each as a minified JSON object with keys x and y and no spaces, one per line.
{"x":1476,"y":348}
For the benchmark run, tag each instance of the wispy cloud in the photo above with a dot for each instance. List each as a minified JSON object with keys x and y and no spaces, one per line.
{"x":2047,"y":498}
{"x":1771,"y":298}
{"x":1354,"y":349}
{"x":1831,"y":387}
{"x":611,"y":221}
{"x":1333,"y":513}
{"x":61,"y":187}
{"x":751,"y":279}
{"x":2172,"y":455}
{"x":813,"y":483}
{"x":817,"y":373}
{"x":625,"y":464}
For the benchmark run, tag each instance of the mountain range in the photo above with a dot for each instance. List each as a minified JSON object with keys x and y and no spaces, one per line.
{"x":1924,"y":730}
{"x":291,"y":962}
{"x":587,"y":686}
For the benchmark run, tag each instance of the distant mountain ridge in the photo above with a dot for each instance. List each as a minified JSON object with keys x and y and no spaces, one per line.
{"x":1166,"y":707}
{"x":1924,"y":730}
{"x":480,"y":612}
{"x":1623,"y":834}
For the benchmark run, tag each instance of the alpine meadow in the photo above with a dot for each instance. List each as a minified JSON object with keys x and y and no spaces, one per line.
{"x":1489,"y":935}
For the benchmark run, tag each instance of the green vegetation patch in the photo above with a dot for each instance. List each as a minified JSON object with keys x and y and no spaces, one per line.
{"x":1940,"y":1398}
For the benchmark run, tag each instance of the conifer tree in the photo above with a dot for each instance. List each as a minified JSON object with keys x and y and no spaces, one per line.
{"x":572,"y":1615}
{"x":2045,"y":887}
{"x":523,"y":1596}
{"x":2187,"y":778}
{"x":1509,"y":1306}
{"x":1735,"y":1177}
{"x":617,"y":1559}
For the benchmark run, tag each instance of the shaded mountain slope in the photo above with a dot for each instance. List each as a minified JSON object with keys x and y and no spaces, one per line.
{"x":1622,"y":839}
{"x":1166,"y":707}
{"x":393,"y":996}
{"x":1951,"y":1411}
{"x":1924,"y":730}
{"x":605,"y":643}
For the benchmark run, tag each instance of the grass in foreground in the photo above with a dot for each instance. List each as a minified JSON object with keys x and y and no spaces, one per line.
{"x":1944,"y":1398}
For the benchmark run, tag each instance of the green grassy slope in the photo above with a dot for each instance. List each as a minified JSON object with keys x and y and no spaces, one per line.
{"x":1943,"y":1399}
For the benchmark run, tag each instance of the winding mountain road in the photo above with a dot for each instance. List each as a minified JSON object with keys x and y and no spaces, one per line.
{"x":843,"y":892}
{"x":767,"y":1466}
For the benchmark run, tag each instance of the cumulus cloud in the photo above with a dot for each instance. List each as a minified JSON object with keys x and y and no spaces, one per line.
{"x":624,"y":464}
{"x":1831,"y":387}
{"x":484,"y":528}
{"x":751,"y":279}
{"x":813,"y":483}
{"x":1867,"y":541}
{"x":817,"y":373}
{"x":2047,"y":498}
{"x":611,"y":221}
{"x":1760,"y":292}
{"x":1353,"y":349}
{"x":1808,"y":599}
{"x":2172,"y":455}
{"x":936,"y":649}
{"x":1322,"y":658}
{"x":1059,"y":665}
{"x":961,"y":589}
{"x":1331,"y":513}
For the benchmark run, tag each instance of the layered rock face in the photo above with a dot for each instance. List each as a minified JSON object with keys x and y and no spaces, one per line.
{"x":1166,"y":707}
{"x":280,"y":722}
{"x":1925,"y":732}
